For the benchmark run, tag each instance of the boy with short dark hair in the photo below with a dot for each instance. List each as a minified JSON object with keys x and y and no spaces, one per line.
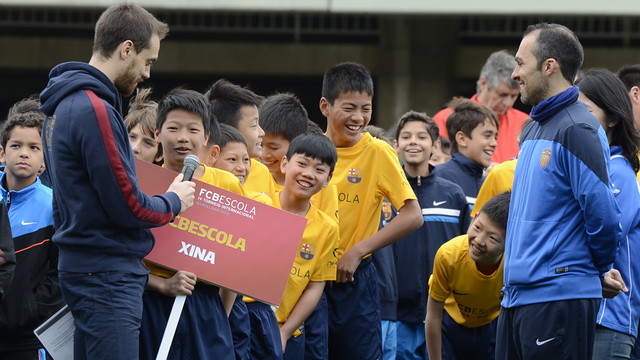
{"x":473,"y":131}
{"x":237,"y":106}
{"x":308,"y":167}
{"x":183,"y":128}
{"x":465,"y":288}
{"x":284,"y":118}
{"x":366,"y":172}
{"x":234,"y":155}
{"x":34,"y":294}
{"x":446,"y":215}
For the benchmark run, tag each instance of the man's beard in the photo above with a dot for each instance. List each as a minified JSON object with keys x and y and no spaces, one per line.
{"x":127,"y":82}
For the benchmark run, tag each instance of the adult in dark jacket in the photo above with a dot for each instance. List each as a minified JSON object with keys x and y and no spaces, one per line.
{"x":101,"y":216}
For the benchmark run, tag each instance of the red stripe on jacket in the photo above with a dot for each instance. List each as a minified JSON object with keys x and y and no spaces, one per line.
{"x":122,"y":178}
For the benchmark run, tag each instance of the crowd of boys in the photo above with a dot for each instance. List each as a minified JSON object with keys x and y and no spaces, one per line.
{"x":410,"y":260}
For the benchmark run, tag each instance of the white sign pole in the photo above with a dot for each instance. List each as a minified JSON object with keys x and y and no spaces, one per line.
{"x":172,"y":324}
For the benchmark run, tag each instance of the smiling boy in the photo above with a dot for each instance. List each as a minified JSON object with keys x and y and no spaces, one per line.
{"x":308,"y":167}
{"x":367,"y":171}
{"x":183,"y":128}
{"x":446,"y":215}
{"x":473,"y":131}
{"x":464,"y":294}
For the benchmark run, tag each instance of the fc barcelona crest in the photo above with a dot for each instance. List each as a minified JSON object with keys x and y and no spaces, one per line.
{"x":545,"y":157}
{"x":354,"y":175}
{"x":307,"y":251}
{"x":386,"y":210}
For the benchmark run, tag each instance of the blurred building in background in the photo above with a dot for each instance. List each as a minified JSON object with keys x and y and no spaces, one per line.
{"x":420,"y":53}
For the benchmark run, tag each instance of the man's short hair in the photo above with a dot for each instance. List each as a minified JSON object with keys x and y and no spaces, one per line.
{"x":497,"y":209}
{"x":630,"y":75}
{"x":283,"y":114}
{"x":315,"y":146}
{"x":229,"y":134}
{"x":432,"y":126}
{"x":227,"y":99}
{"x":126,"y":21}
{"x":24,"y":113}
{"x":558,"y":42}
{"x":498,"y":69}
{"x":188,"y":100}
{"x":466,"y":116}
{"x":344,"y":78}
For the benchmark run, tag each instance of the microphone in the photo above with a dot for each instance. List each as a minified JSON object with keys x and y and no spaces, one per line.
{"x":191,"y":163}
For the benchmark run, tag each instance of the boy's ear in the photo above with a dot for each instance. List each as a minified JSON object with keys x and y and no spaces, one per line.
{"x":214,"y":154}
{"x":635,"y":95}
{"x":324,"y":106}
{"x":461,"y":139}
{"x":395,"y":145}
{"x":436,"y":146}
{"x":156,"y":135}
{"x":42,"y":169}
{"x":328,"y":180}
{"x":283,"y":165}
{"x":2,"y":154}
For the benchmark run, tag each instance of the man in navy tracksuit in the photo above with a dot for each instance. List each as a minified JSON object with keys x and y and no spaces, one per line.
{"x":563,"y":220}
{"x":101,"y":216}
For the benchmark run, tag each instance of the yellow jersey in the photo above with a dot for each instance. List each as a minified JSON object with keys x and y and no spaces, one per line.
{"x":260,"y":179}
{"x":365,"y":174}
{"x":499,"y":180}
{"x":315,"y":260}
{"x":470,"y":297}
{"x":326,"y":200}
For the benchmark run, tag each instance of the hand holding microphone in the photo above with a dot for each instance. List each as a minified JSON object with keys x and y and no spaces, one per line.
{"x":182,"y":184}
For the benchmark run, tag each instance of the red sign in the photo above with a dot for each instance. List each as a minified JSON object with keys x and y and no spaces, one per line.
{"x":226,"y":239}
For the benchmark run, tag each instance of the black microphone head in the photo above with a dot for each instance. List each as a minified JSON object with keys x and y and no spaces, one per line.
{"x":190,"y":164}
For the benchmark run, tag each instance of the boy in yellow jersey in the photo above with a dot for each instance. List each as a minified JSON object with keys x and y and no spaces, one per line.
{"x":234,"y":158}
{"x":307,"y":166}
{"x":183,"y":128}
{"x":237,"y":106}
{"x":283,"y":118}
{"x":464,"y":294}
{"x":367,"y":171}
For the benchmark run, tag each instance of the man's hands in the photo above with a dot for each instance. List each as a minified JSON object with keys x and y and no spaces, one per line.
{"x":185,"y":190}
{"x":612,"y":284}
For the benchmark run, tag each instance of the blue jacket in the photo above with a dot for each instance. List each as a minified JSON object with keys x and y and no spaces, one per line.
{"x":621,"y":313}
{"x":446,"y":215}
{"x":101,"y":216}
{"x":35,"y":293}
{"x":563,"y":226}
{"x":465,"y":173}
